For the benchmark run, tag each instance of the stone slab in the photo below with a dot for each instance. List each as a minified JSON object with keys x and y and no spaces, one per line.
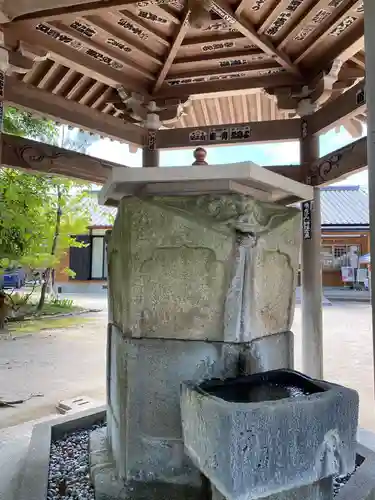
{"x":203,"y":268}
{"x":144,"y":377}
{"x":76,"y":404}
{"x":246,"y":178}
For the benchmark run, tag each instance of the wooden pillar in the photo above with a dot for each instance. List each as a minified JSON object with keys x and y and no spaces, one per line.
{"x":150,"y":153}
{"x":311,"y":271}
{"x":369,"y":15}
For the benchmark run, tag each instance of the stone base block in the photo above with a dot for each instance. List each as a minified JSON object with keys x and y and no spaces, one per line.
{"x":321,"y":490}
{"x":145,"y":375}
{"x":108,"y":487}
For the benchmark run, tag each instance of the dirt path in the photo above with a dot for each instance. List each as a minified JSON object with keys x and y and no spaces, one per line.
{"x":60,"y":364}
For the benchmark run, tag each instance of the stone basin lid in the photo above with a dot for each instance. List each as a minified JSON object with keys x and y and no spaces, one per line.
{"x":242,"y":178}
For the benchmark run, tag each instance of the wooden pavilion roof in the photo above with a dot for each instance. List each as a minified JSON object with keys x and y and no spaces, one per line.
{"x":250,"y":61}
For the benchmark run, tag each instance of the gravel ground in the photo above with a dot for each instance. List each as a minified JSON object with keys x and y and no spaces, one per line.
{"x":69,"y":475}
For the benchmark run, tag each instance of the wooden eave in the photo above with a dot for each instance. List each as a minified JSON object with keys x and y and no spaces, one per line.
{"x":93,"y":47}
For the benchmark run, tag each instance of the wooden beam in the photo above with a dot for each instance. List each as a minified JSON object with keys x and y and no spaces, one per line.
{"x":336,"y":111}
{"x":268,"y":131}
{"x":176,"y":44}
{"x":76,"y":59}
{"x":343,"y":49}
{"x":20,"y":94}
{"x":219,"y":87}
{"x":109,"y":51}
{"x":18,"y":152}
{"x":291,"y":171}
{"x":72,"y":9}
{"x":251,"y":68}
{"x":340,"y":164}
{"x":244,"y":27}
{"x":241,"y":8}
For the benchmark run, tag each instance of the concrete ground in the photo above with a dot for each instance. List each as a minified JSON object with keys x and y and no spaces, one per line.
{"x":66,"y":363}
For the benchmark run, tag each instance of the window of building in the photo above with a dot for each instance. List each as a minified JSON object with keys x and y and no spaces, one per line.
{"x":337,"y":256}
{"x":98,"y":258}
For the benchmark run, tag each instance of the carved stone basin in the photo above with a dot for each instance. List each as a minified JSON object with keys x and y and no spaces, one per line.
{"x":258,"y":435}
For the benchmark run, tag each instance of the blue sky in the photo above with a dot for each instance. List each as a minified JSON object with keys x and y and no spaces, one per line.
{"x":262,"y":154}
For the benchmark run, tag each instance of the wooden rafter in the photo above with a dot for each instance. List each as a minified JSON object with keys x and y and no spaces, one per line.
{"x":74,"y":10}
{"x":176,"y":44}
{"x":142,"y":73}
{"x":112,"y":16}
{"x":260,"y":41}
{"x":81,"y":62}
{"x":56,"y":107}
{"x":241,"y":7}
{"x":306,"y":19}
{"x":339,"y":47}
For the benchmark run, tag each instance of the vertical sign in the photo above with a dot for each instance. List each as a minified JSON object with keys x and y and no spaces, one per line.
{"x":151,"y":140}
{"x":306,"y":219}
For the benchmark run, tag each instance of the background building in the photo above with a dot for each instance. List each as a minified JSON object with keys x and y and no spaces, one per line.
{"x":345,"y":228}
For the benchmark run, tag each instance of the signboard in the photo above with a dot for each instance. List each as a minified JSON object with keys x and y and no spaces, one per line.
{"x":219,"y":134}
{"x":347,"y":275}
{"x":306,"y":219}
{"x":360,"y":97}
{"x":151,"y":140}
{"x":1,"y":116}
{"x":198,"y":136}
{"x":2,"y":83}
{"x":240,"y":133}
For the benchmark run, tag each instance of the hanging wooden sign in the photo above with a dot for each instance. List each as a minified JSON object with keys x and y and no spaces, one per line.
{"x":306,"y":219}
{"x":151,"y":140}
{"x":2,"y":84}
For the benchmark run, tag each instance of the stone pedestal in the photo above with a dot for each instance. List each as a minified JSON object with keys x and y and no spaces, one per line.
{"x":199,"y":287}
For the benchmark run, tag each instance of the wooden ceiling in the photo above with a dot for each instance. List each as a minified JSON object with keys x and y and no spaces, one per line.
{"x":218,"y":70}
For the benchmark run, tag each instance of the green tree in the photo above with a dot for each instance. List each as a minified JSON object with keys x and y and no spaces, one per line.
{"x":41,"y":213}
{"x":21,"y":194}
{"x":24,"y":124}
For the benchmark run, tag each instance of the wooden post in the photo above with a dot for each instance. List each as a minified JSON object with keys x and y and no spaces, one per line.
{"x":311,"y":273}
{"x":369,"y":16}
{"x":150,"y":153}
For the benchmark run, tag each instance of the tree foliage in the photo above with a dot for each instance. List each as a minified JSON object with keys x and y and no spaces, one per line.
{"x":40,"y":214}
{"x":24,"y":124}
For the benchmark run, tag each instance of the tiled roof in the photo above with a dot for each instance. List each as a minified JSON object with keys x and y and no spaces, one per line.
{"x":100,"y":216}
{"x":344,"y":205}
{"x":341,"y":205}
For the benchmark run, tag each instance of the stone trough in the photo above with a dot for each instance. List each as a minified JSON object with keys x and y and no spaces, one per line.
{"x":271,"y":434}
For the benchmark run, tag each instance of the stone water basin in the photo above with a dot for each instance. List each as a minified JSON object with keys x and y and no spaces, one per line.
{"x":258,"y":435}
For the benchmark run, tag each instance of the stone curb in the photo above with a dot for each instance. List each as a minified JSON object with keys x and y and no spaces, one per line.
{"x":350,"y":299}
{"x":54,"y":316}
{"x":34,"y":477}
{"x":361,"y":486}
